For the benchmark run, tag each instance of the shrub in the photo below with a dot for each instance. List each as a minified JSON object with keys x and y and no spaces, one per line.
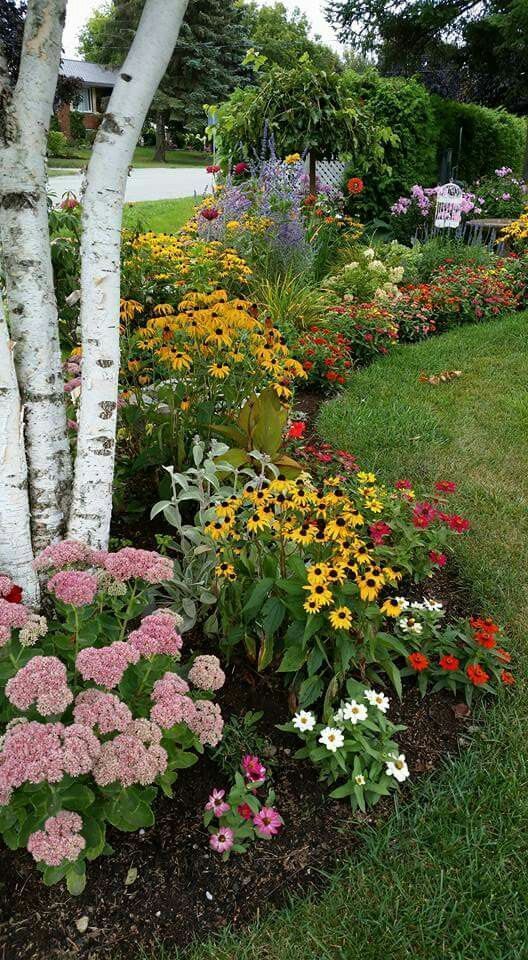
{"x":499,"y":194}
{"x":372,"y":273}
{"x":78,"y":130}
{"x":99,"y":717}
{"x":490,"y":138}
{"x":58,"y":145}
{"x":403,"y":105}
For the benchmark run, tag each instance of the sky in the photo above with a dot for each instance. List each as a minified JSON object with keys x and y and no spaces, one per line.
{"x":78,"y":12}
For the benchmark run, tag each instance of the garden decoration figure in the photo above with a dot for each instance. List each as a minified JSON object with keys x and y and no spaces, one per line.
{"x":448,"y":211}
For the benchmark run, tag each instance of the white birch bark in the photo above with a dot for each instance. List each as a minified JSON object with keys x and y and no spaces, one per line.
{"x":24,"y":236}
{"x":16,"y":553}
{"x":107,"y":174}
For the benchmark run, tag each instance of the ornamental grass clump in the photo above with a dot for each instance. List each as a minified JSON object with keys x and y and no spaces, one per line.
{"x":309,"y":576}
{"x":97,"y":717}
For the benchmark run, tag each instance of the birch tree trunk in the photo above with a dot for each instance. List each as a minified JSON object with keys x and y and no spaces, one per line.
{"x":24,"y":122}
{"x":107,"y":174}
{"x":16,"y":552}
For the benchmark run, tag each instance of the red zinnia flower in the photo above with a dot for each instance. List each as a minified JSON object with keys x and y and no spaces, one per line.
{"x":507,"y":678}
{"x":403,"y":485}
{"x":503,"y":655}
{"x":485,"y":639}
{"x":14,"y":595}
{"x":456,"y":523}
{"x":355,"y":186}
{"x":477,"y":675}
{"x":445,"y":486}
{"x":418,"y":661}
{"x":379,"y":530}
{"x":214,"y":168}
{"x":439,"y":559}
{"x":296,"y":430}
{"x":240,"y":168}
{"x":449,"y":663}
{"x":245,"y":811}
{"x":210,"y":213}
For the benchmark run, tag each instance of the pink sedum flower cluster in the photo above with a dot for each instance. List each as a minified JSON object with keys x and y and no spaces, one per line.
{"x":13,"y":615}
{"x":208,"y":725}
{"x":43,"y":682}
{"x":63,"y":554}
{"x":59,"y":840}
{"x":106,"y":665}
{"x":206,"y":673}
{"x":76,"y":587}
{"x":129,"y":563}
{"x":171,"y":703}
{"x":94,"y":708}
{"x":35,"y":752}
{"x":134,"y":756}
{"x":157,"y":634}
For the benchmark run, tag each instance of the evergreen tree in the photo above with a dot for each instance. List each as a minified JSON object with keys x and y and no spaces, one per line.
{"x":206,"y":65}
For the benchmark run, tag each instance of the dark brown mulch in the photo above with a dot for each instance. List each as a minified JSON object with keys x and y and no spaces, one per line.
{"x":184,"y":890}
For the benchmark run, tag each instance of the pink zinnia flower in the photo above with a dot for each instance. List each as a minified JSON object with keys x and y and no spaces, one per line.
{"x":403,"y":485}
{"x":75,"y":587}
{"x":217,"y":804}
{"x":253,"y":768}
{"x":424,"y":514}
{"x":268,"y":822}
{"x":222,"y":841}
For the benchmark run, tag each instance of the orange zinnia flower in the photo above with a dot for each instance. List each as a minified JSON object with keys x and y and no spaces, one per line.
{"x":477,"y":675}
{"x":418,"y":661}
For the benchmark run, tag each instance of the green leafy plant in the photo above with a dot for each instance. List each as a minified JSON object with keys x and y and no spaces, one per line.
{"x":241,"y":736}
{"x":97,"y":718}
{"x":353,"y":746}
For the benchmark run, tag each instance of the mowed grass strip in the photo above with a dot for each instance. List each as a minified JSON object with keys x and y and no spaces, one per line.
{"x":161,"y":216}
{"x":445,"y":878}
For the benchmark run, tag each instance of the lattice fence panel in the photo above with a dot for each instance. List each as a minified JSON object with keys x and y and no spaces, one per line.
{"x":329,"y":172}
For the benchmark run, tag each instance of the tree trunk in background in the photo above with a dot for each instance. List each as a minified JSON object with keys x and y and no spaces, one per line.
{"x":161,"y":140}
{"x":16,"y":552}
{"x":24,"y":235}
{"x":100,"y":275}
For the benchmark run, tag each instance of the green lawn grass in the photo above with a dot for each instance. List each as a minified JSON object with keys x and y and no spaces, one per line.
{"x":143,"y":157}
{"x":162,"y":216}
{"x":445,"y":877}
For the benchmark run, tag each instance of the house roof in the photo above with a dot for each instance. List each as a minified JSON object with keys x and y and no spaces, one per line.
{"x":91,"y":74}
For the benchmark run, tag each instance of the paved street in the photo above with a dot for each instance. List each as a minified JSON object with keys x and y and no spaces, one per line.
{"x":152,"y":183}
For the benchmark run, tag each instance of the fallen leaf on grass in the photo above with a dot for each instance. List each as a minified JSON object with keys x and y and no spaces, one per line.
{"x":436,"y":378}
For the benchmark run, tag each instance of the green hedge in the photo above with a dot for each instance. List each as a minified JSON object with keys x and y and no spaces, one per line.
{"x":490,"y":138}
{"x":405,"y":106}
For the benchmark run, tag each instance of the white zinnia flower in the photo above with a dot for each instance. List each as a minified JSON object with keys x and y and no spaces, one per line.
{"x":377,"y":699}
{"x":332,"y":738}
{"x":339,"y":715}
{"x":360,"y":780}
{"x":404,"y":604}
{"x":304,"y":720}
{"x":354,"y":712}
{"x":398,"y":768}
